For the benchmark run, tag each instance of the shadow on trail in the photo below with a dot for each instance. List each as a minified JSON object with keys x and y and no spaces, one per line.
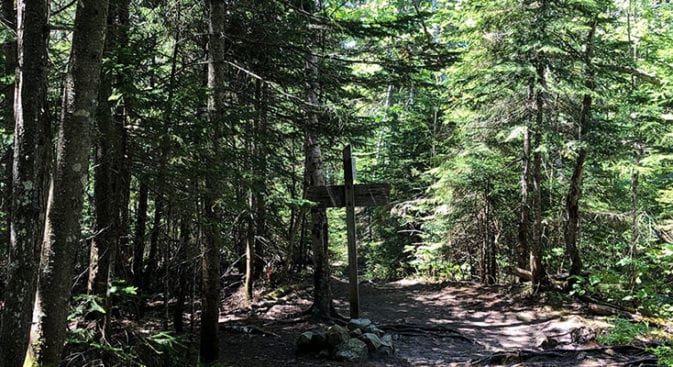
{"x":471,"y":324}
{"x":450,"y":324}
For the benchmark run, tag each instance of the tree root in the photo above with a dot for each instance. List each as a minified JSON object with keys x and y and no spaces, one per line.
{"x":308,"y":315}
{"x":644,"y":358}
{"x":425,"y":330}
{"x":248,"y":329}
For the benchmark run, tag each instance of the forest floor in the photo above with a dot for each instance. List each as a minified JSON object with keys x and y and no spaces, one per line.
{"x":447,"y":324}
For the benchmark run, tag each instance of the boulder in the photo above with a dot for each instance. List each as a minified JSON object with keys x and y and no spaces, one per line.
{"x":311,"y":341}
{"x":304,"y":341}
{"x":383,"y":352}
{"x":372,"y":340}
{"x":374,"y":330}
{"x":336,"y":335}
{"x":387,"y":341}
{"x":359,"y":324}
{"x":352,"y":350}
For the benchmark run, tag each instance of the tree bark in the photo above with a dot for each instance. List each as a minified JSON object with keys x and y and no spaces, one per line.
{"x":536,"y":269}
{"x":635,"y":225}
{"x":69,"y":178}
{"x":572,"y":214}
{"x":212,"y":243}
{"x":209,"y":350}
{"x":571,"y":229}
{"x":11,"y":62}
{"x":149,"y":276}
{"x":524,"y":208}
{"x":139,"y":236}
{"x":182,"y":271}
{"x":249,"y":247}
{"x":106,"y":203}
{"x":260,"y":173}
{"x":110,"y":180}
{"x":313,"y":176}
{"x":28,"y":176}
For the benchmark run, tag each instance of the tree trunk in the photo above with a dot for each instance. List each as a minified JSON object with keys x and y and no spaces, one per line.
{"x":249,"y":247}
{"x":572,"y":214}
{"x":209,"y":350}
{"x":182,"y":271}
{"x":29,"y":162}
{"x":149,"y":276}
{"x":70,"y":178}
{"x":105,"y":244}
{"x":635,"y":227}
{"x":260,"y":174}
{"x":493,"y":235}
{"x":536,"y":268}
{"x":522,"y":244}
{"x":210,"y":313}
{"x":11,"y":63}
{"x":575,"y":191}
{"x":121,"y":114}
{"x":108,"y":158}
{"x":313,"y":176}
{"x":250,"y":250}
{"x":139,"y":236}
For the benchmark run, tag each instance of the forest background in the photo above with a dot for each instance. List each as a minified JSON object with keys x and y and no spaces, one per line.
{"x":152,"y":148}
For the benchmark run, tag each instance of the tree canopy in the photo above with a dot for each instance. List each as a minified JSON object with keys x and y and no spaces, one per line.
{"x":156,"y":155}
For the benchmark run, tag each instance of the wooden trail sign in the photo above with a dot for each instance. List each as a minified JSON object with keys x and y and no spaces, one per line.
{"x":350,"y":196}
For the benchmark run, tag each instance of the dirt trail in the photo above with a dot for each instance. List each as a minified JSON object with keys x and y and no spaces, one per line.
{"x":436,"y":325}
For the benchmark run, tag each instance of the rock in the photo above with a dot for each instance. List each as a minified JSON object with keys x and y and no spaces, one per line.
{"x":383,"y":352}
{"x":359,"y":324}
{"x":324,"y":353}
{"x":319,"y":338}
{"x":387,"y":341}
{"x":310,"y":341}
{"x":352,"y":350}
{"x":304,"y":341}
{"x":336,"y":335}
{"x":372,"y":340}
{"x":356,"y":333}
{"x":374,"y":330}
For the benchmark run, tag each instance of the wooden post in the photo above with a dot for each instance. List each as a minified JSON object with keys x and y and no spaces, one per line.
{"x":349,"y":193}
{"x":350,"y":196}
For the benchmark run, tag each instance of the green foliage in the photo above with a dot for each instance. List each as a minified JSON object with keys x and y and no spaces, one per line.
{"x":385,"y":254}
{"x":86,"y":304}
{"x":436,"y":97}
{"x":664,"y":353}
{"x":582,"y":285}
{"x":623,"y":332}
{"x":128,"y":348}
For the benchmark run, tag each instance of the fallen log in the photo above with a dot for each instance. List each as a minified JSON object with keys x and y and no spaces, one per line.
{"x":599,"y":308}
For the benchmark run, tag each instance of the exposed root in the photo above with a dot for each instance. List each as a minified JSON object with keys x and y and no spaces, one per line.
{"x":612,"y":353}
{"x":424,"y":330}
{"x":248,"y":329}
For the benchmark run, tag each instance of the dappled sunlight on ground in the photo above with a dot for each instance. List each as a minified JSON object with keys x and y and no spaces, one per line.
{"x":448,"y":324}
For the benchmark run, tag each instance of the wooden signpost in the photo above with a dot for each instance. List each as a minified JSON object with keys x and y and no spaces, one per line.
{"x":350,"y":196}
